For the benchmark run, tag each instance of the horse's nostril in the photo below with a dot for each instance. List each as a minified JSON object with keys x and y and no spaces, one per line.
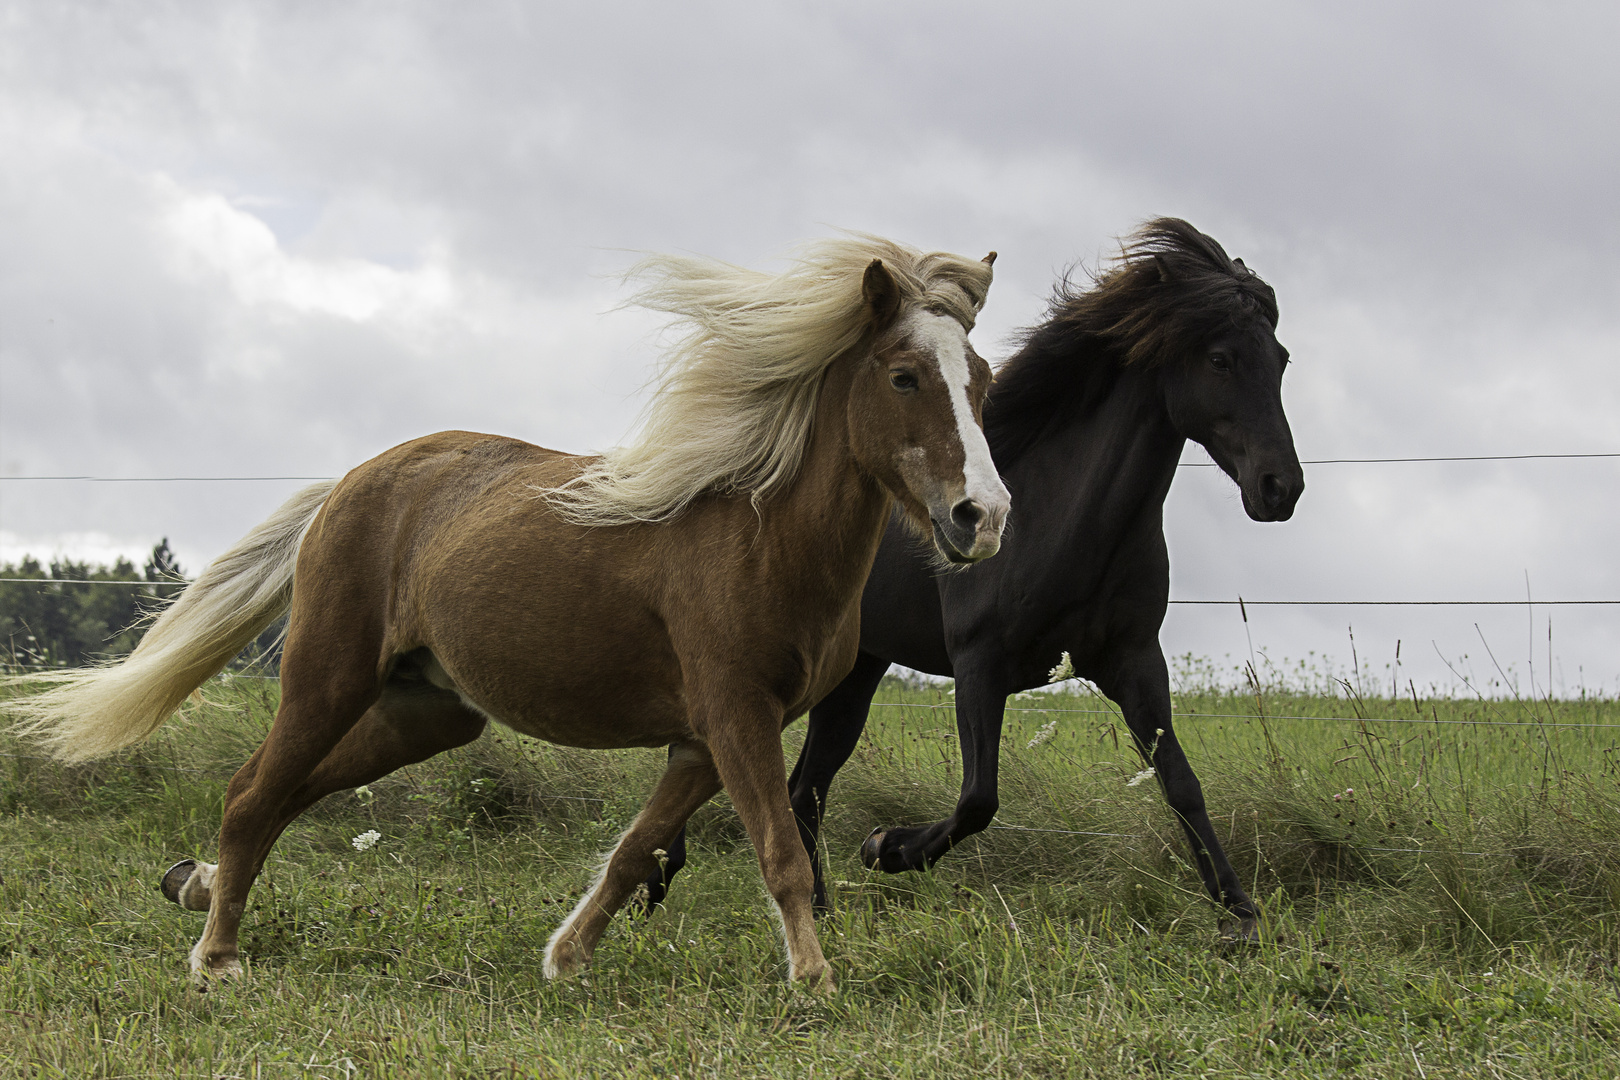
{"x":967,"y":514}
{"x":1271,"y":490}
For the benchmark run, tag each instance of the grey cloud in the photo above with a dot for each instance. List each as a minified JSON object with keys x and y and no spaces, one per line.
{"x":1427,"y":187}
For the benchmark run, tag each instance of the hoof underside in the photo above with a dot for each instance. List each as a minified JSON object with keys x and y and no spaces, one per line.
{"x":176,"y":876}
{"x":186,"y":883}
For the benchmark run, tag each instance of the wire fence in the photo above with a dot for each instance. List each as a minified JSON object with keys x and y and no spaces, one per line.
{"x":1182,"y":465}
{"x":1240,"y":602}
{"x":1237,"y":603}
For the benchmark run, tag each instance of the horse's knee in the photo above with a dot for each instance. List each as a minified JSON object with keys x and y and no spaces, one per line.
{"x":975,"y":812}
{"x":1187,"y":800}
{"x":790,"y":880}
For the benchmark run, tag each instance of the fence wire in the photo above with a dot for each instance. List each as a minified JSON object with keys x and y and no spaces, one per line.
{"x":1238,"y":603}
{"x":1179,"y":464}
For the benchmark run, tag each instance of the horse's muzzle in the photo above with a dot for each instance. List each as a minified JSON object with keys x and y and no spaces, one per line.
{"x":969,"y":533}
{"x":1272,"y":496}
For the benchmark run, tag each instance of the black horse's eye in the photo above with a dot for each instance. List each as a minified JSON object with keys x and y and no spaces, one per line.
{"x":1220,"y":362}
{"x":903,"y":380}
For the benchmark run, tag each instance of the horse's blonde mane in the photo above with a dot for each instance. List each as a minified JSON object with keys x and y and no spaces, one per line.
{"x":735,"y":396}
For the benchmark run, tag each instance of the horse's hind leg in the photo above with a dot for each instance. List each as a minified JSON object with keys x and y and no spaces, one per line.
{"x":981,"y":703}
{"x":317,"y":709}
{"x":406,"y":725}
{"x":833,"y":732}
{"x":689,"y":781}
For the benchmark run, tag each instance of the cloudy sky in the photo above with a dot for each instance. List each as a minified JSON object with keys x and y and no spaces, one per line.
{"x":275,"y":239}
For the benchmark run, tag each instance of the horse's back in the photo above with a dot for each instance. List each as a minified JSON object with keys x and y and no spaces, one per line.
{"x":443,"y":472}
{"x":387,"y":516}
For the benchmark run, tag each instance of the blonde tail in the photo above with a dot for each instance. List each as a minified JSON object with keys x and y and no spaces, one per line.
{"x":92,"y":712}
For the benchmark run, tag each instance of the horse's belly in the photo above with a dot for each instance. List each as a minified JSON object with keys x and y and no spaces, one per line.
{"x":631,"y":712}
{"x":644,"y":729}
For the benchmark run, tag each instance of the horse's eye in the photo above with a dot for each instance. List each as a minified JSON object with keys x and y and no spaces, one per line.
{"x":1220,"y":362}
{"x":903,"y":380}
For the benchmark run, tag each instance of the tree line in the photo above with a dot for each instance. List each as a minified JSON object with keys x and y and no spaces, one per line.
{"x":48,"y":619}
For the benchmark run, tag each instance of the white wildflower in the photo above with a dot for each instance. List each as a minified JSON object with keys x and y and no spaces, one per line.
{"x":366,"y":840}
{"x":1045,"y":734}
{"x":1064,"y":670}
{"x":364,"y":794}
{"x":1145,"y":774}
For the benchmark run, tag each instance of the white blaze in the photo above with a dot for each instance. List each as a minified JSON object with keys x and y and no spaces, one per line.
{"x":949,"y":342}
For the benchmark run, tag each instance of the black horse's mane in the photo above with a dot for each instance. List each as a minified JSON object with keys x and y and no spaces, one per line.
{"x":1171,"y":289}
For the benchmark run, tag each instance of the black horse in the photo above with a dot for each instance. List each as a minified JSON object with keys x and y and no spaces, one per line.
{"x":1086,"y":423}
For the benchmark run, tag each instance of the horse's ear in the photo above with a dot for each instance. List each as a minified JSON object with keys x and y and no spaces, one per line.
{"x":881,"y":292}
{"x":1164,"y":269}
{"x":989,"y":260}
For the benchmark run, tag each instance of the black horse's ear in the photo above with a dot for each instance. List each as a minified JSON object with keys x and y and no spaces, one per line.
{"x":882,"y":294}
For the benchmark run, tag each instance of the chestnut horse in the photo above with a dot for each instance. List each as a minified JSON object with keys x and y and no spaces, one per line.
{"x":461,"y":578}
{"x":1175,"y":341}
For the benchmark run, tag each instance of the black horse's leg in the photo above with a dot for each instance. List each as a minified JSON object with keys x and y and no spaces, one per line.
{"x":674,"y":858}
{"x":833,"y":732}
{"x":834,"y":729}
{"x":981,"y":704}
{"x":1140,"y":683}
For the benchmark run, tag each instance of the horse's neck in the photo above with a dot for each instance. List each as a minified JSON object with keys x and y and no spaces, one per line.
{"x":1107,"y":460}
{"x":832,"y":506}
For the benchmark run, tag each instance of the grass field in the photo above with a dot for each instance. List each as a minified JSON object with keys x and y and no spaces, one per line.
{"x":1442,"y":893}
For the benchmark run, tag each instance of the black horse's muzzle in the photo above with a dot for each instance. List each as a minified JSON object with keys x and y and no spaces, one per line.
{"x":1272,"y":496}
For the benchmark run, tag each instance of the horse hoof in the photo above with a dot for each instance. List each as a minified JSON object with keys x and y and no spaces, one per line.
{"x":187,"y":883}
{"x":1240,"y":932}
{"x":174,"y":877}
{"x":820,"y":983}
{"x":564,"y":962}
{"x":872,"y":849}
{"x":206,"y":976}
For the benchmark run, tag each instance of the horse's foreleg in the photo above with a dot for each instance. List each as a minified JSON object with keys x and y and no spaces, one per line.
{"x":689,"y":781}
{"x":1141,"y":686}
{"x":980,"y":707}
{"x":748,"y":753}
{"x":834,"y":730}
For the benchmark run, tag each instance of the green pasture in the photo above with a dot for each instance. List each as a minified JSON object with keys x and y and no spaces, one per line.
{"x":1441,"y":879}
